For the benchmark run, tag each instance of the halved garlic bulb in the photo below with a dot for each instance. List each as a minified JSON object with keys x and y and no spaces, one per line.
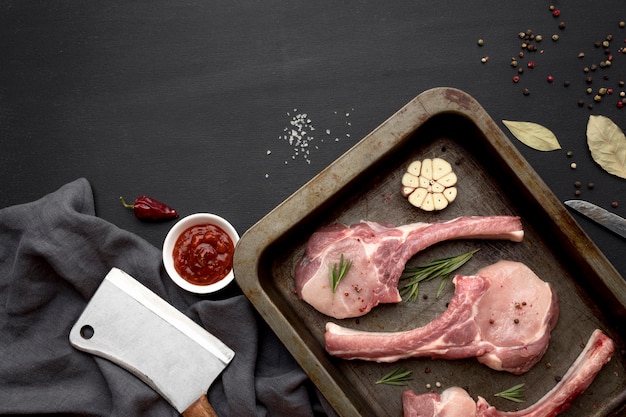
{"x":429,"y":184}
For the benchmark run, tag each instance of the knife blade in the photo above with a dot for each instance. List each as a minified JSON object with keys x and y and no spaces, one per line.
{"x":611,"y":221}
{"x":133,"y":327}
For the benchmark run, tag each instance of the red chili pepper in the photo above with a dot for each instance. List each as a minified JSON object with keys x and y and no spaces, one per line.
{"x":147,"y":208}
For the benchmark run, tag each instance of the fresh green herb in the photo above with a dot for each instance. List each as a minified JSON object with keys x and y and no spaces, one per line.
{"x":338,"y":272}
{"x":438,"y":268}
{"x":515,"y":393}
{"x":398,"y":376}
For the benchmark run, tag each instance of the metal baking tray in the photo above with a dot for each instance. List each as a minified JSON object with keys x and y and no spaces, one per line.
{"x":494,"y":179}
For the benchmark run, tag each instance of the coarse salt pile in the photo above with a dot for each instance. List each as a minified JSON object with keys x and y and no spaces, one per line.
{"x":299,"y":134}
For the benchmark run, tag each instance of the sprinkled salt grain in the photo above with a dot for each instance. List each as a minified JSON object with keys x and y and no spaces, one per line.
{"x":300,"y":134}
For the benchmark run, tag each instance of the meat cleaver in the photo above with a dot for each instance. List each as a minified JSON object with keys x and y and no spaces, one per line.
{"x":131,"y":326}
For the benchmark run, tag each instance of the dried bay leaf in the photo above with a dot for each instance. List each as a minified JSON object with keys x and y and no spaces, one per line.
{"x":534,"y":135}
{"x":607,"y":144}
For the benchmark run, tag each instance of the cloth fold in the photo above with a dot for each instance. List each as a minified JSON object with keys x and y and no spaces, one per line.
{"x":54,"y":253}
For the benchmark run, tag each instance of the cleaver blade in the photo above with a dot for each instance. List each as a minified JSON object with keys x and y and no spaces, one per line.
{"x":133,"y":327}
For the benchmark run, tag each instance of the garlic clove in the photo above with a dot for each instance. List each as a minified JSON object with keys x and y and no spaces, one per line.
{"x":437,"y":188}
{"x":450,"y":194}
{"x":448,"y":180}
{"x":405,"y":191}
{"x":424,"y":182}
{"x":428,"y":204}
{"x":439,"y":201}
{"x":440,"y":168}
{"x":415,"y":168}
{"x":410,"y":180}
{"x":427,"y":169}
{"x":416,"y":198}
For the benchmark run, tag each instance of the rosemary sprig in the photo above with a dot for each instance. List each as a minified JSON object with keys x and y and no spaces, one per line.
{"x":515,"y":393}
{"x":398,"y":376}
{"x":338,"y":272}
{"x":438,"y":268}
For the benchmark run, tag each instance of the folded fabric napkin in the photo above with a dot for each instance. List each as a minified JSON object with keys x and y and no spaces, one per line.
{"x":54,"y":253}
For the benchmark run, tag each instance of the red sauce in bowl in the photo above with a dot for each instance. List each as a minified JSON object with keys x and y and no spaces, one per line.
{"x":203,"y":254}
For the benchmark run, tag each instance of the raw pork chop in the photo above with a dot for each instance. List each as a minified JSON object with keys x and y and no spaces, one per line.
{"x":503,"y":315}
{"x":378,"y":254}
{"x":456,"y":402}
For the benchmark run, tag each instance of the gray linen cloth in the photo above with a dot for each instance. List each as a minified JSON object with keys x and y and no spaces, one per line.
{"x":54,"y":253}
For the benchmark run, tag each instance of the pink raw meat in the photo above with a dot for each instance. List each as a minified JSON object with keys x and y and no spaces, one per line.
{"x":378,"y":254}
{"x":503,"y":316}
{"x":456,"y":402}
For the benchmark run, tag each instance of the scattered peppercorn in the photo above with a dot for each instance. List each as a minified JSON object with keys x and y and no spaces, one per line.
{"x":480,"y":42}
{"x":555,"y":38}
{"x":589,"y":80}
{"x":590,"y":185}
{"x":557,"y":378}
{"x":531,"y":64}
{"x":516,"y":79}
{"x":526,"y":91}
{"x":570,"y":154}
{"x":550,"y":78}
{"x":562,"y":25}
{"x":622,"y":24}
{"x":484,"y":59}
{"x":572,"y":165}
{"x":581,"y":103}
{"x":577,"y":193}
{"x":556,"y":13}
{"x":577,"y":184}
{"x":581,"y":55}
{"x":614,"y":204}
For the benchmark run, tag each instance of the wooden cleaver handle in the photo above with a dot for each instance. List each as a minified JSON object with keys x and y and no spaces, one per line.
{"x":200,"y":408}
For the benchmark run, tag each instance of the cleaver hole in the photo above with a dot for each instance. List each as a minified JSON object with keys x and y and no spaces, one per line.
{"x":86,"y":332}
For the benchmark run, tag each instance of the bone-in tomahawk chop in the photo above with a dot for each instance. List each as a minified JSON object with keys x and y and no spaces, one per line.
{"x":503,"y":316}
{"x":378,"y":254}
{"x":456,"y":402}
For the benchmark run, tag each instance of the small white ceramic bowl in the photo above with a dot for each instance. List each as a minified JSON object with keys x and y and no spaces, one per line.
{"x":170,"y":240}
